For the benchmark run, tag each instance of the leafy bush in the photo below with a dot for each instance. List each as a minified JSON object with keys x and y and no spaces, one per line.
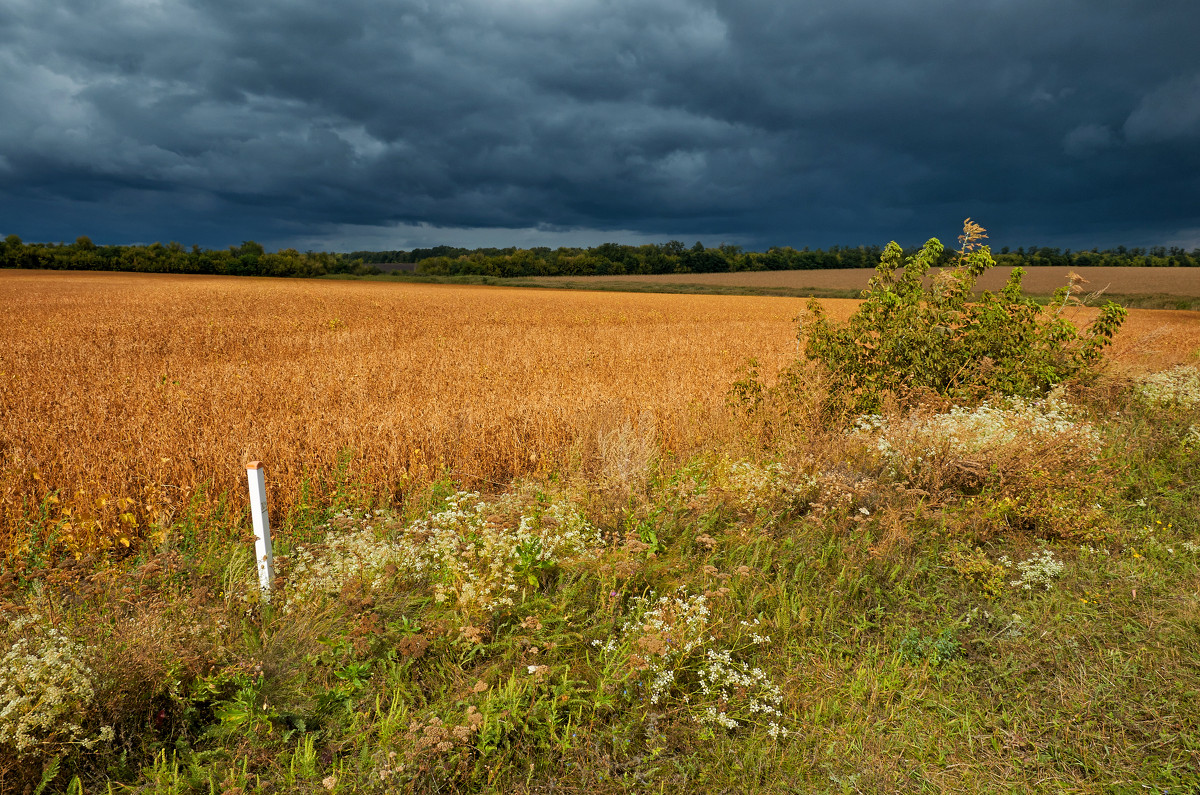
{"x":908,"y":337}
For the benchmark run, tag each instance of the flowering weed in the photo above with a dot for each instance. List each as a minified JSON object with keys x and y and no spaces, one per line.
{"x":1179,"y":385}
{"x":1000,"y":440}
{"x":670,"y":645}
{"x":474,"y":554}
{"x":1038,"y":570}
{"x":46,"y":687}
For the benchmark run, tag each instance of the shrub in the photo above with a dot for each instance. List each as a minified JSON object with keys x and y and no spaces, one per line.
{"x":908,"y":337}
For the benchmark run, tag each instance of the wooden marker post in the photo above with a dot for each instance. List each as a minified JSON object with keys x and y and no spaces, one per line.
{"x":262,"y":527}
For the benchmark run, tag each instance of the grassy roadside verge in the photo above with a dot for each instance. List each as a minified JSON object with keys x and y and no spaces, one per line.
{"x":811,"y":610}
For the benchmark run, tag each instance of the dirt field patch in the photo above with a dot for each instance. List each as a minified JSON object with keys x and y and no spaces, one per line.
{"x":1121,"y":281}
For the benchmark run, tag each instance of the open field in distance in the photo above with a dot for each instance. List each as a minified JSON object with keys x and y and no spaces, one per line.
{"x":1183,"y":282}
{"x":671,"y":596}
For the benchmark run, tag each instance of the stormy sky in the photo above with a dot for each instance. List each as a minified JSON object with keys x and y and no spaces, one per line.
{"x":381,"y":124}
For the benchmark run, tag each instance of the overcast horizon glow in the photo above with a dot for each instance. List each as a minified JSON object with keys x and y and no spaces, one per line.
{"x":370,"y":124}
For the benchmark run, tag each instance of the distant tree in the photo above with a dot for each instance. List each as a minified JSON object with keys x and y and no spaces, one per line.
{"x":249,"y":247}
{"x":10,"y":252}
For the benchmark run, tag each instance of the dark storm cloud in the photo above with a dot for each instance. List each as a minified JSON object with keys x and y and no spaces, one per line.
{"x":398,"y":123}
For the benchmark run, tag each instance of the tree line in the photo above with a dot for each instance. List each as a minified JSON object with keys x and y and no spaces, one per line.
{"x":248,"y":259}
{"x":251,"y":259}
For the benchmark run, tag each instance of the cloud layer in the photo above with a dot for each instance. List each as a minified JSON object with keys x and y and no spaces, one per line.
{"x":367,"y":123}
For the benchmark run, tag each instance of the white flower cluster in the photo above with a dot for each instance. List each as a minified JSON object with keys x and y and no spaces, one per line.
{"x":475,"y":551}
{"x":758,"y":484}
{"x":468,"y":551}
{"x":44,"y":687}
{"x":725,"y":679}
{"x":965,"y":432}
{"x":357,"y":554}
{"x":662,"y":633}
{"x":664,"y":637}
{"x":1040,"y":569}
{"x":1180,"y":385}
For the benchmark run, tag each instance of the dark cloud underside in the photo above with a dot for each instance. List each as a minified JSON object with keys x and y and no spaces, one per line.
{"x":306,"y":123}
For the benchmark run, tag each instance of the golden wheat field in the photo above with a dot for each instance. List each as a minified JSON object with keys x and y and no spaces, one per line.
{"x":1038,"y":281}
{"x":124,"y":393}
{"x":126,"y":398}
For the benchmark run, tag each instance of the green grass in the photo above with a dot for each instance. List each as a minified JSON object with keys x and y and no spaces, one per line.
{"x":898,"y":668}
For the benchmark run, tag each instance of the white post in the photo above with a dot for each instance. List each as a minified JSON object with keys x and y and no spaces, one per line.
{"x":262,"y":527}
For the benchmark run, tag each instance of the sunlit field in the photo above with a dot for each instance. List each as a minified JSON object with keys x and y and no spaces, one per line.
{"x":542,"y":541}
{"x":123,"y":395}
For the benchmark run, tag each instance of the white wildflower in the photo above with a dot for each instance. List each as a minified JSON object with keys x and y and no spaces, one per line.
{"x":44,"y":683}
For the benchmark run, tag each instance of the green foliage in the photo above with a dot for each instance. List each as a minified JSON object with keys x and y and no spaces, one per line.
{"x":909,"y":335}
{"x":916,"y":648}
{"x":974,"y":566}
